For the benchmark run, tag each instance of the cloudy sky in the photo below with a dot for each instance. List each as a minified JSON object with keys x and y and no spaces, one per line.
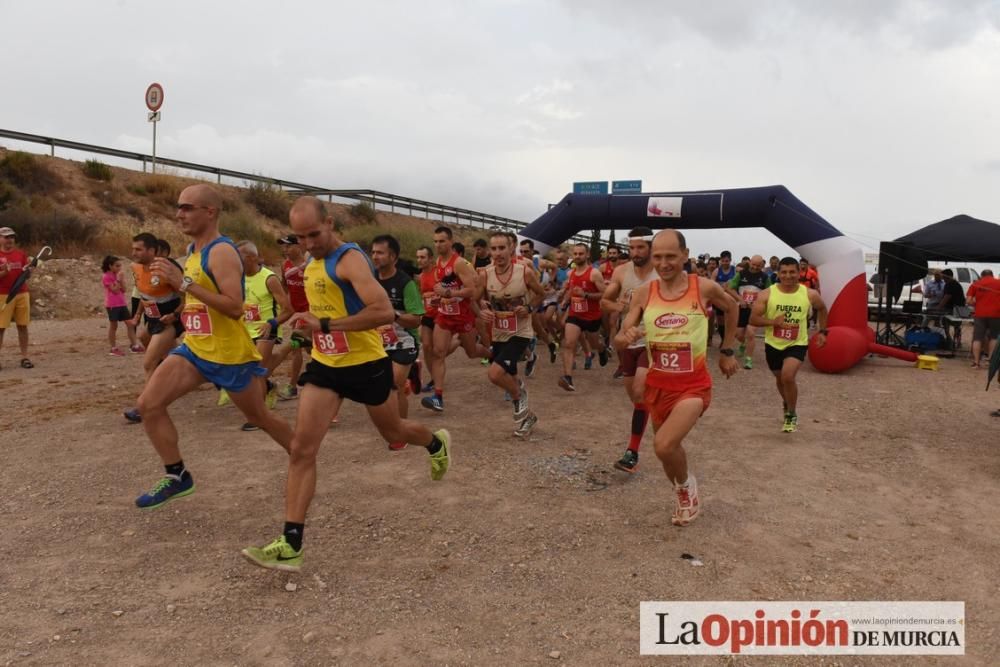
{"x":881,"y":115}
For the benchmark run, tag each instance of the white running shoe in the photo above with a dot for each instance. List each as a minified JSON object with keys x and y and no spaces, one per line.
{"x":523,"y":429}
{"x":687,"y":505}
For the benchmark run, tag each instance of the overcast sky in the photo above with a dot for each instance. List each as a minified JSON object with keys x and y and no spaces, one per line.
{"x":881,"y":115}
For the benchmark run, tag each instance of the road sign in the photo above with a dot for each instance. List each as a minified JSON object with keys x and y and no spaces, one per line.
{"x":153,"y":116}
{"x":590,"y":188}
{"x":154,"y":97}
{"x":626,"y":187}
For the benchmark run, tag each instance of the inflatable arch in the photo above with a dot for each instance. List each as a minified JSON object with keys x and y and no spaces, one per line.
{"x":839,"y":259}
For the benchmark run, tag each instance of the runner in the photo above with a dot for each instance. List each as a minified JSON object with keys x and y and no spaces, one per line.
{"x":426,"y":282}
{"x":454,"y":287}
{"x":745,"y":287}
{"x":14,"y":262}
{"x":482,"y":254}
{"x":348,"y":361}
{"x":266,"y":307}
{"x":678,"y":384}
{"x":216,"y":349}
{"x":507,"y":297}
{"x":723,"y":273}
{"x":634,"y":361}
{"x":291,"y":279}
{"x":784,"y":310}
{"x":399,"y":338}
{"x":159,"y":302}
{"x":583,"y":294}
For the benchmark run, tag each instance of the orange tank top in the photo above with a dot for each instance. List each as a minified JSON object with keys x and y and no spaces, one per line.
{"x":677,"y":339}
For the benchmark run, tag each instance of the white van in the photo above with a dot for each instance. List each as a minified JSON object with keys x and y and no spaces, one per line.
{"x":965,"y":275}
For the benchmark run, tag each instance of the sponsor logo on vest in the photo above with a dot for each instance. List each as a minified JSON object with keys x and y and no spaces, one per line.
{"x":671,"y":321}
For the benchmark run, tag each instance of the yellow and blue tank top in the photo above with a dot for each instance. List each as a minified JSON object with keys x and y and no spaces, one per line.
{"x":677,"y":339}
{"x":259,"y":305}
{"x":209,"y":334}
{"x":795,"y":306}
{"x":329,"y":296}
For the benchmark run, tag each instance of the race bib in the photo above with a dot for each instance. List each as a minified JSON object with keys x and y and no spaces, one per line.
{"x":388,"y":334}
{"x":251,"y":312}
{"x":430,"y":301}
{"x":331,"y":344}
{"x":578,"y":304}
{"x":449,"y":307}
{"x":504,"y":322}
{"x":672,"y":357}
{"x":151,"y":310}
{"x":749,"y":296}
{"x":787,"y":332}
{"x":196,"y":319}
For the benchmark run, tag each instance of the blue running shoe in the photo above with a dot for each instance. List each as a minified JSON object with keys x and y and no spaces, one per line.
{"x":168,"y":488}
{"x":588,"y":362}
{"x":427,"y":388}
{"x":133,"y":416}
{"x":435,"y":403}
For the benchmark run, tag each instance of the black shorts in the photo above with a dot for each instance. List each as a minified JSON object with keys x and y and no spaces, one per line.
{"x":744,"y":318}
{"x":135,"y":305}
{"x":156,"y":326}
{"x":776,"y":358}
{"x":369,"y":383}
{"x":590,"y":326}
{"x":509,"y":352}
{"x":403,"y":357}
{"x":118,"y":314}
{"x":426,"y":321}
{"x":983,"y":325}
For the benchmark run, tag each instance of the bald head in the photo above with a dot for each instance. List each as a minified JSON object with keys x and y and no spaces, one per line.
{"x":310,"y":206}
{"x":203,"y":194}
{"x":671,"y":237}
{"x":756,"y":264}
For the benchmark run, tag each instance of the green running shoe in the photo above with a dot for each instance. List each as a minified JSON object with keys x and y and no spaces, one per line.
{"x":278,"y":555}
{"x":748,"y":363}
{"x":271,"y":399}
{"x":441,"y":460}
{"x":791,"y":423}
{"x":742,"y":351}
{"x":223,"y":398}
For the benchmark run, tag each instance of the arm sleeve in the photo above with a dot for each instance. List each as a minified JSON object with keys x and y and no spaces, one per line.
{"x":412,"y":300}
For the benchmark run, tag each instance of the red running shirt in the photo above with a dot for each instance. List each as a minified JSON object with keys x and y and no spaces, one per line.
{"x":584,"y":308}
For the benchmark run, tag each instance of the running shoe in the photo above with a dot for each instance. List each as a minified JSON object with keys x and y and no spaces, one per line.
{"x":687,"y":506}
{"x":397,"y":446}
{"x":484,"y":361}
{"x":435,"y":403}
{"x":603,"y":357}
{"x":278,"y":555}
{"x":136,"y":349}
{"x":566,"y":383}
{"x":427,"y":388}
{"x":521,"y":405}
{"x":748,"y":363}
{"x":618,"y":374}
{"x":168,"y":488}
{"x":529,"y":368}
{"x":588,"y":362}
{"x":552,"y":352}
{"x":223,"y":398}
{"x":791,"y":423}
{"x":116,"y":352}
{"x":271,"y":398}
{"x":742,"y":351}
{"x":133,"y":416}
{"x":288,"y":393}
{"x":523,"y":429}
{"x":247,"y":426}
{"x":629,"y":462}
{"x":441,"y":460}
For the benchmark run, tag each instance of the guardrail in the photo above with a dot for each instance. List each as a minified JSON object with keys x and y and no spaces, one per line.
{"x":444,"y":212}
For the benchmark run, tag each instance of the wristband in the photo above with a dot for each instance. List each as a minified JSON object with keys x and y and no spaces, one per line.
{"x":324,"y":324}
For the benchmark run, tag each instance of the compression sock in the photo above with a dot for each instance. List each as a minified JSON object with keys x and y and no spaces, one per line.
{"x":435,"y":445}
{"x":293,"y":534}
{"x":639,"y":418}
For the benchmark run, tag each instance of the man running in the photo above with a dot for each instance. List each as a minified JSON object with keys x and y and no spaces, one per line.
{"x":678,"y":384}
{"x":14,"y":262}
{"x":454,"y":288}
{"x":584,"y":290}
{"x":784,"y":310}
{"x":291,"y":280}
{"x":398,"y":338}
{"x":625,"y":280}
{"x":159,"y":303}
{"x":346,"y":304}
{"x":745,"y":287}
{"x":511,"y":290}
{"x":723,"y":273}
{"x":216,"y":348}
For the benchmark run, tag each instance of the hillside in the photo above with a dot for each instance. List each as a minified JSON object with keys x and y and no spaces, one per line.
{"x":86,"y":210}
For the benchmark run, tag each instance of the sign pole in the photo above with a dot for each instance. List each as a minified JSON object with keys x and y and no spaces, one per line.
{"x":154,"y":146}
{"x":154,"y":100}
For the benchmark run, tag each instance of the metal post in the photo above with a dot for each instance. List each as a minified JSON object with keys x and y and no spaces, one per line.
{"x":219,"y":178}
{"x":53,"y":151}
{"x":154,"y":146}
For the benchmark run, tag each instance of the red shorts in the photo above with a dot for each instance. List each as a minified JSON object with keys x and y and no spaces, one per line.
{"x":458,"y":325}
{"x":660,"y":402}
{"x":633,"y":358}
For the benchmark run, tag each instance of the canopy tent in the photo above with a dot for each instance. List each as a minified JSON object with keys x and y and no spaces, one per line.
{"x":958,"y":239}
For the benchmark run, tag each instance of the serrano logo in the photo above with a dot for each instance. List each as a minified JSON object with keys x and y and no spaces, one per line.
{"x":671,"y":321}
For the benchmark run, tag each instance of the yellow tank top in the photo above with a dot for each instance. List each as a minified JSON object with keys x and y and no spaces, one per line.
{"x":795,"y":306}
{"x":209,"y":334}
{"x":504,"y":297}
{"x":329,"y":296}
{"x":258,"y":305}
{"x":677,"y":339}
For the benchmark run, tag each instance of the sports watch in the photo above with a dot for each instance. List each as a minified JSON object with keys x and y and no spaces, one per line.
{"x":186,"y":283}
{"x":728,"y":351}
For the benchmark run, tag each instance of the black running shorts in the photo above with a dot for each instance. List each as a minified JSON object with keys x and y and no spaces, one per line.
{"x":369,"y":383}
{"x":509,"y":352}
{"x":776,"y":358}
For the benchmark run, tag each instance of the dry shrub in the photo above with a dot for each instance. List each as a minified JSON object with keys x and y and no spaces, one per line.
{"x":245,"y":227}
{"x":97,"y":170}
{"x":162,"y":189}
{"x":48,"y":225}
{"x":363,"y":212}
{"x":29,"y":173}
{"x":269,"y":200}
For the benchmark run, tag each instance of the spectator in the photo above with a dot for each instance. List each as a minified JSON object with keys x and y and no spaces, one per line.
{"x":933,"y":289}
{"x":115,"y":303}
{"x":14,"y":262}
{"x":952,"y":296}
{"x":985,"y":295}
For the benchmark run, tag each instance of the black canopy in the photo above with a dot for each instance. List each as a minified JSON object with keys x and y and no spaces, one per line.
{"x":962,"y":238}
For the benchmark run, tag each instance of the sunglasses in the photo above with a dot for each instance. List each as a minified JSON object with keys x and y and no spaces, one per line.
{"x":187,"y":208}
